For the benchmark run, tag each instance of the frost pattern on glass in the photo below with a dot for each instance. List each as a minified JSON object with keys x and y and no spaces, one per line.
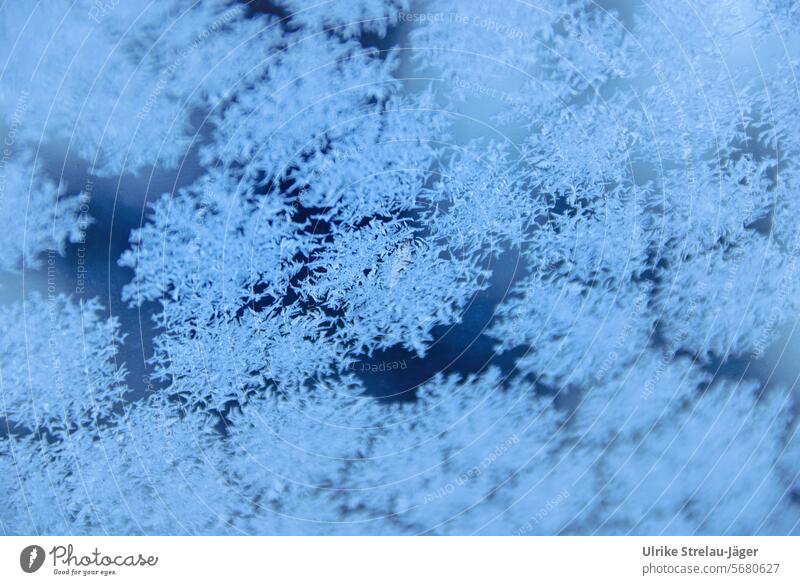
{"x":367,"y":173}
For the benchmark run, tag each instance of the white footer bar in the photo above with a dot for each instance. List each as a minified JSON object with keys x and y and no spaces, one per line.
{"x":406,"y":560}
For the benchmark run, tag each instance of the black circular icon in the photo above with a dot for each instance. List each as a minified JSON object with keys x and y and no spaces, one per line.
{"x":31,"y":558}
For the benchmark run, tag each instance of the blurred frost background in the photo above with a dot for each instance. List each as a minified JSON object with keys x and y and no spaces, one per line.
{"x":399,"y":267}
